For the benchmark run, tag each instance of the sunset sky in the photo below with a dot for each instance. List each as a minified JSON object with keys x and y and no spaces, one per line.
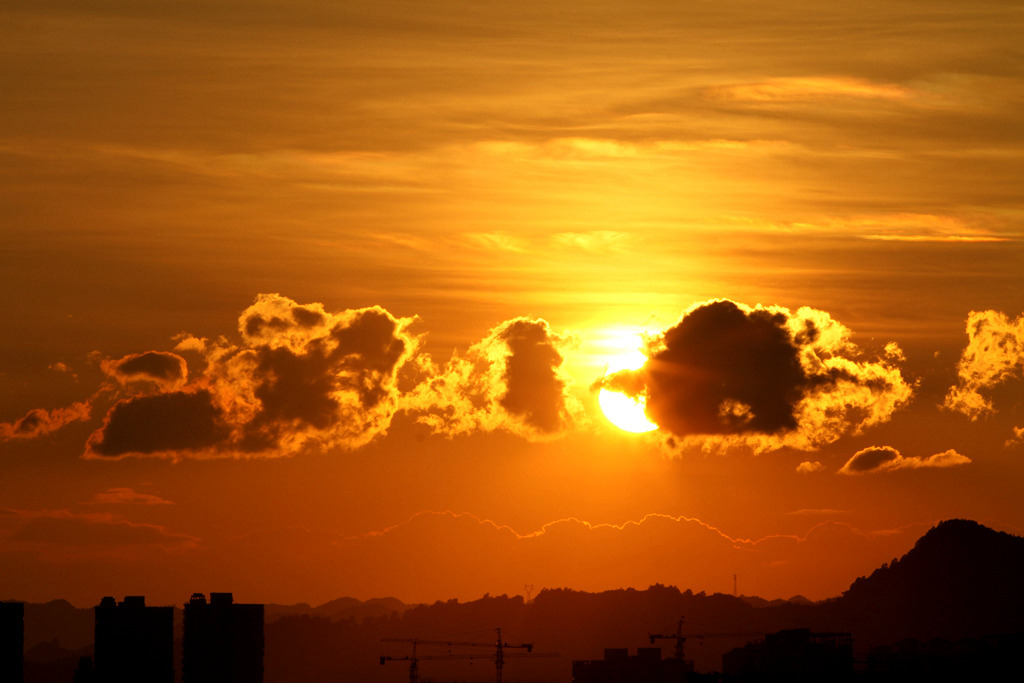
{"x":313,"y":299}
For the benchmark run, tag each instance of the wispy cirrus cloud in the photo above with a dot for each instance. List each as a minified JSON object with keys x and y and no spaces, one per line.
{"x":123,"y":495}
{"x":794,"y":89}
{"x":64,"y":535}
{"x":912,"y":227}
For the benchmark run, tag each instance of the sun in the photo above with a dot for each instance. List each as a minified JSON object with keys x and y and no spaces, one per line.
{"x":623,"y":411}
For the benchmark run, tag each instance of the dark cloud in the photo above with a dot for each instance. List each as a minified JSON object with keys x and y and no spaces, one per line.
{"x":369,"y":348}
{"x":167,"y":370}
{"x":871,"y":459}
{"x":723,"y":370}
{"x":765,"y":377}
{"x":331,"y":380}
{"x":162,"y":423}
{"x":887,"y":459}
{"x":534,"y":391}
{"x":316,"y":376}
{"x":294,"y":387}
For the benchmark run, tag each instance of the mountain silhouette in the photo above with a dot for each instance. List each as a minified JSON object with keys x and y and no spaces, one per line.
{"x":961,"y":579}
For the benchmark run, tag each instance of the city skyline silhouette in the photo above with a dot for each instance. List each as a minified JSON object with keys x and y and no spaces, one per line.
{"x":901,"y":620}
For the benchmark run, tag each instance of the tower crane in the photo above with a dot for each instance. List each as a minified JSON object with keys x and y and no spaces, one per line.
{"x":677,"y":636}
{"x":414,"y":659}
{"x":681,"y":639}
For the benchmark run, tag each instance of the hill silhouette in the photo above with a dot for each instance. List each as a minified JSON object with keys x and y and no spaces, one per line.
{"x":961,"y":579}
{"x":341,"y":608}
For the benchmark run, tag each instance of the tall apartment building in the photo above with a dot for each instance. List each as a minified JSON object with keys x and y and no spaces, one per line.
{"x":223,"y":641}
{"x":133,"y":642}
{"x":12,"y":641}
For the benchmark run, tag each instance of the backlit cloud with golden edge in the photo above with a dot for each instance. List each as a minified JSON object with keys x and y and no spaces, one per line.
{"x":306,"y":378}
{"x":887,"y":459}
{"x":590,"y":555}
{"x":166,"y":370}
{"x":994,"y":354}
{"x":764,"y":377}
{"x":38,"y":422}
{"x":302,"y":377}
{"x":513,"y":380}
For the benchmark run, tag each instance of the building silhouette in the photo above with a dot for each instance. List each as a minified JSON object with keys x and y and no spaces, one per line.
{"x":84,"y":673}
{"x":12,"y":642}
{"x":133,"y":642}
{"x":223,"y":641}
{"x":939,"y":660}
{"x":618,"y":666}
{"x":793,"y":656}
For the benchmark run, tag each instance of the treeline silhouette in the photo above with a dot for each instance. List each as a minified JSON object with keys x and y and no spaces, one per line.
{"x":957,"y":592}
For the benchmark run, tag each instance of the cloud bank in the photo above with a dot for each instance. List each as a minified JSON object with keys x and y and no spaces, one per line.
{"x":589,"y":556}
{"x":302,"y":377}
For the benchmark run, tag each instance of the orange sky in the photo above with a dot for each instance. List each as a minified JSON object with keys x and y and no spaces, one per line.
{"x":309,"y":299}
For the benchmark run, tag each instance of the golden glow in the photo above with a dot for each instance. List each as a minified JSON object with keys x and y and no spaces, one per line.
{"x":623,"y":411}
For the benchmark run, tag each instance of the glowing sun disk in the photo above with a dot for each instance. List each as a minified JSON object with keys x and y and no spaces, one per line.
{"x":623,"y":411}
